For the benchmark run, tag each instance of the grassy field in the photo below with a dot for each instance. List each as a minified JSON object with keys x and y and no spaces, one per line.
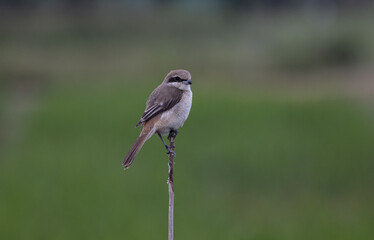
{"x":278,"y":145}
{"x":246,"y":168}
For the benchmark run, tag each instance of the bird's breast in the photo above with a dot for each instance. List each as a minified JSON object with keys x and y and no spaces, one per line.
{"x":176,"y":116}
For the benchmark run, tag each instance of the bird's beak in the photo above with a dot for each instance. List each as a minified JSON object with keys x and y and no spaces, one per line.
{"x":188,"y":82}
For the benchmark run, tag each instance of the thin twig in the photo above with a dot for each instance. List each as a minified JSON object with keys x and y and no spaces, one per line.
{"x":171,"y":187}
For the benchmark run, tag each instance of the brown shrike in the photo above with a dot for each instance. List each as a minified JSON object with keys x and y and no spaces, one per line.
{"x":167,"y":109}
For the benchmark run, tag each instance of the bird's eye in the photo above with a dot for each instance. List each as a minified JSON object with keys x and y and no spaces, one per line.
{"x":175,"y":79}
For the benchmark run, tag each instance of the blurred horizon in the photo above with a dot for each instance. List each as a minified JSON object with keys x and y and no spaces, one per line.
{"x":299,"y":44}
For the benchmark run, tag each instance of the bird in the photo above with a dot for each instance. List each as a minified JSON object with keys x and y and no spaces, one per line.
{"x":167,"y":109}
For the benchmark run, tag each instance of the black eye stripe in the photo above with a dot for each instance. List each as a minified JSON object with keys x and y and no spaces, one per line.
{"x":175,"y":79}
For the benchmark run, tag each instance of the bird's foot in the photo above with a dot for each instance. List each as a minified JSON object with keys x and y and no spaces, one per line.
{"x":172,"y":134}
{"x":170,"y":151}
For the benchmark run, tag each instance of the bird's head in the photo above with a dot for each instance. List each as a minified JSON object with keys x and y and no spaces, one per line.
{"x":180,"y":79}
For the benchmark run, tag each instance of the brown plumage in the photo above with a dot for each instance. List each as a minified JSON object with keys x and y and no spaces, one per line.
{"x":147,"y":132}
{"x":162,"y":98}
{"x":167,"y":108}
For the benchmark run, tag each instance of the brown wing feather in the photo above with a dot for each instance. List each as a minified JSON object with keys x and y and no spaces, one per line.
{"x":162,"y":99}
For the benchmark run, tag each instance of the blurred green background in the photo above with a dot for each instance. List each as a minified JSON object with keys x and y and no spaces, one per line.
{"x":278,"y":145}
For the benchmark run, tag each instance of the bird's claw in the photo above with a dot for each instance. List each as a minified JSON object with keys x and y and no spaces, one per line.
{"x":172,"y":134}
{"x":170,"y":152}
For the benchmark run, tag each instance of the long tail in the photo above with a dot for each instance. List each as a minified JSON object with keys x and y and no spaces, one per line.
{"x":134,"y":150}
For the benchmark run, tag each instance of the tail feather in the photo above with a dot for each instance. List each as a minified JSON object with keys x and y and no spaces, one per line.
{"x":134,"y":150}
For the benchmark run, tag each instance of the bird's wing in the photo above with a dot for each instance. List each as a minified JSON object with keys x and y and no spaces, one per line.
{"x":162,"y":99}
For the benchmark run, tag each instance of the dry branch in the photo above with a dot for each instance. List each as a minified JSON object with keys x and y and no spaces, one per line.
{"x":171,"y":186}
